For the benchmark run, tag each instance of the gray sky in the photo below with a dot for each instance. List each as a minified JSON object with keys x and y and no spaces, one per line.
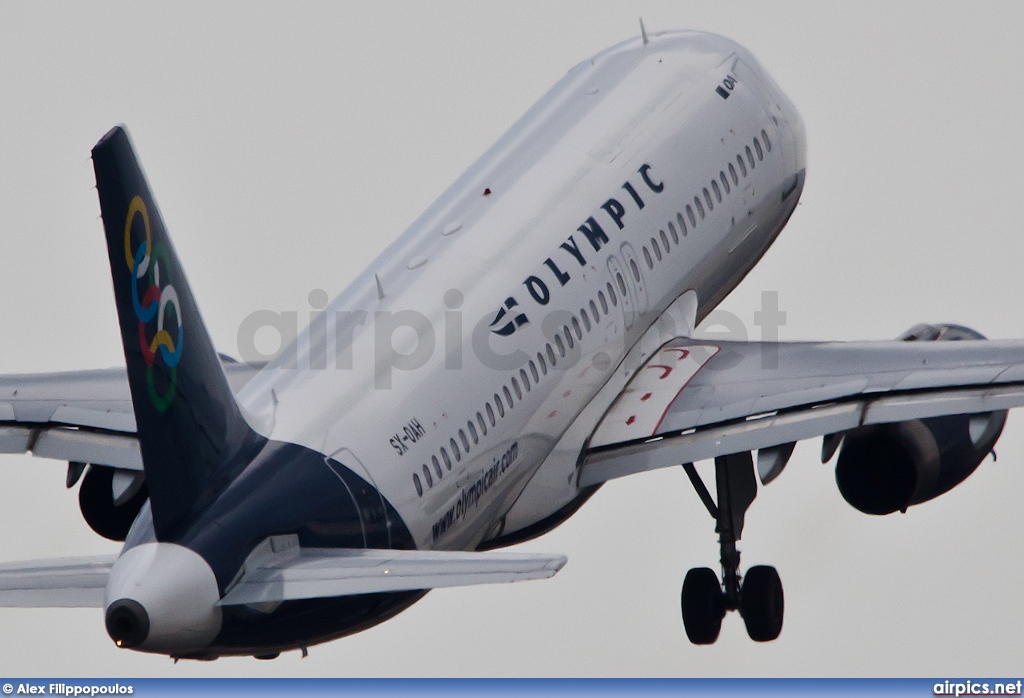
{"x":287,"y":144}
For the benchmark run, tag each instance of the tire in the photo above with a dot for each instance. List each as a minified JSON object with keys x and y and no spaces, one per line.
{"x":703,"y":606}
{"x":762,"y":603}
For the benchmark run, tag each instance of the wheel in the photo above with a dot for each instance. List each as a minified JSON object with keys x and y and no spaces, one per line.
{"x":762,"y":603}
{"x":703,"y":606}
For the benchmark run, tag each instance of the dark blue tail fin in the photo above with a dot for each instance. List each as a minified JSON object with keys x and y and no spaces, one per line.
{"x":187,"y":419}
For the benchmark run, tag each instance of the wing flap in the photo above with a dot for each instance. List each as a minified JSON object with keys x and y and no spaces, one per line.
{"x":59,"y":583}
{"x":320,"y":572}
{"x":114,"y":450}
{"x":616,"y":461}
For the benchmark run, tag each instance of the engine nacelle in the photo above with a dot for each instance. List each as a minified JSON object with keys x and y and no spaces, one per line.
{"x":889,"y":467}
{"x":109,"y":507}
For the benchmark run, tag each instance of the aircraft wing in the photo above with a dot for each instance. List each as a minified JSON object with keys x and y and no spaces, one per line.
{"x":279,"y":570}
{"x":696,"y":400}
{"x":60,"y":583}
{"x":79,"y":416}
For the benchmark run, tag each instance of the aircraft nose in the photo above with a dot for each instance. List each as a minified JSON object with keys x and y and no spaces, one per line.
{"x":127,"y":623}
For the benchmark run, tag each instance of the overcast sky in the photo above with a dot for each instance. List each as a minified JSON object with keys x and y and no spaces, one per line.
{"x":287,"y":144}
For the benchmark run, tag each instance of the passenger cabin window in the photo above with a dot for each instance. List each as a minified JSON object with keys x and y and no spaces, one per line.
{"x":750,"y":157}
{"x":757,"y":147}
{"x":437,"y":466}
{"x":647,"y":258}
{"x":525,"y":378}
{"x":593,"y":309}
{"x":455,"y":450}
{"x":622,"y":283}
{"x":464,"y":440}
{"x":635,"y":269}
{"x":551,"y":355}
{"x":725,"y":182}
{"x":508,"y":397}
{"x":707,"y":198}
{"x":743,"y":168}
{"x":611,"y":294}
{"x":426,"y":475}
{"x":447,"y":460}
{"x":416,"y":483}
{"x":585,"y":318}
{"x":533,"y":369}
{"x":732,"y":173}
{"x":767,"y":143}
{"x":718,"y":192}
{"x":700,"y":207}
{"x":490,"y":413}
{"x":472,"y":431}
{"x":516,"y":389}
{"x":672,"y":228}
{"x":558,"y":343}
{"x":576,"y":328}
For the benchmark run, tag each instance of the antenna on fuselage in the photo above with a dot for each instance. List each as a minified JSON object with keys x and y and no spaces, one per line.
{"x":643,"y":32}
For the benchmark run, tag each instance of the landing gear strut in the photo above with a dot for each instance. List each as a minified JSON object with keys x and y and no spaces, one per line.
{"x":758,"y":594}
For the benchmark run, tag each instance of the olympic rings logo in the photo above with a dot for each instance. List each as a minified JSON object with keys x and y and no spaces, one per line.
{"x":145,"y":267}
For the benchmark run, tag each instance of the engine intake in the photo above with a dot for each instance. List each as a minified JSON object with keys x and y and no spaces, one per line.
{"x":890,"y":467}
{"x":100,"y":506}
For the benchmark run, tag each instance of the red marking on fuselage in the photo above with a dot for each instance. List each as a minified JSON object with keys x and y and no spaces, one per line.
{"x":632,"y":418}
{"x":665,"y":370}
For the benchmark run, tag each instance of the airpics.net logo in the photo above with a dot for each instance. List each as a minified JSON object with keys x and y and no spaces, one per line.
{"x":977,"y":688}
{"x":394,"y":341}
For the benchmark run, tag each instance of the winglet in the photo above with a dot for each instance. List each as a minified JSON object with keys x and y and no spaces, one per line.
{"x":187,"y":421}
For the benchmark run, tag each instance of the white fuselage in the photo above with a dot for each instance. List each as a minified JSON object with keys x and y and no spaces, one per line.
{"x":446,"y":340}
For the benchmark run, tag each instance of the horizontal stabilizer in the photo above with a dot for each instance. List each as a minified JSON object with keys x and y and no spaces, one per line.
{"x":278,"y":570}
{"x":74,"y":582}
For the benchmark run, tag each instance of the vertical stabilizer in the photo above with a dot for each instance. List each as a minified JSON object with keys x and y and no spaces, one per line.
{"x":187,"y":419}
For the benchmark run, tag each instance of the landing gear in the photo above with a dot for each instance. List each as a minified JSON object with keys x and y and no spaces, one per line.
{"x":761,"y":603}
{"x":703,"y":608}
{"x":759,"y":598}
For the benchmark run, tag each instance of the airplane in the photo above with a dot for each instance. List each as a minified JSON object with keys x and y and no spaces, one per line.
{"x":545,"y":309}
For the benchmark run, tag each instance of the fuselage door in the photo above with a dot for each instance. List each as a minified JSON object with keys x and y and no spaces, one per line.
{"x":623,"y":289}
{"x":373,"y":512}
{"x":635,"y":277}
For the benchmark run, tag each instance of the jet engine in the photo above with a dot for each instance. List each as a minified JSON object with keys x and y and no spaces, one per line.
{"x":889,"y":467}
{"x":110,"y":499}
